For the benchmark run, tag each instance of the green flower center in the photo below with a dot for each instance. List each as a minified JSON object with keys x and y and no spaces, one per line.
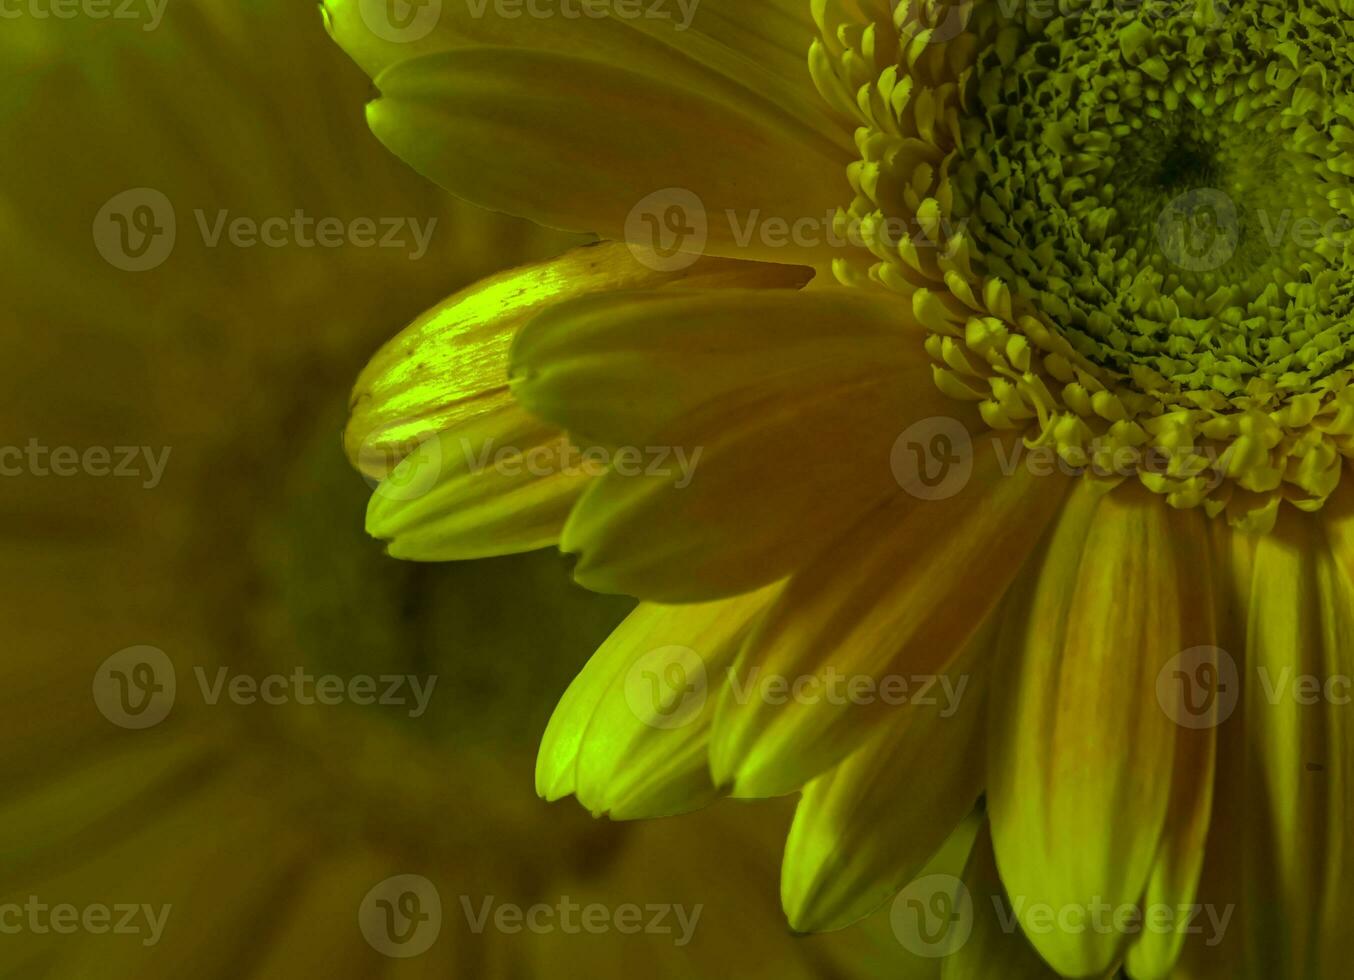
{"x":1163,"y":181}
{"x":1128,"y":226}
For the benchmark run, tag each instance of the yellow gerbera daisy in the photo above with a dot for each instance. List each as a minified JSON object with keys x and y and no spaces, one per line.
{"x":1038,"y":512}
{"x":238,"y":836}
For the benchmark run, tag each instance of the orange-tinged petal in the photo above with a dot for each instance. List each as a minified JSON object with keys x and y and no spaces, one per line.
{"x":584,"y":146}
{"x":901,"y":595}
{"x":1079,"y":742}
{"x":866,"y":828}
{"x":750,"y":393}
{"x":752,"y":52}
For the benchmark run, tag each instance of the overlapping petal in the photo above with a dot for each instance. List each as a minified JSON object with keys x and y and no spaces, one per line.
{"x":582,"y":146}
{"x":1298,"y":749}
{"x":464,"y":472}
{"x":1079,"y":744}
{"x":778,"y":401}
{"x":629,"y":738}
{"x":864,"y":829}
{"x":451,"y":364}
{"x":901,"y":594}
{"x":995,"y":946}
{"x":746,"y":51}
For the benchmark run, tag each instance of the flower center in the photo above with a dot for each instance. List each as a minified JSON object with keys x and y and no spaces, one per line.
{"x":1156,"y":179}
{"x":1130,"y":227}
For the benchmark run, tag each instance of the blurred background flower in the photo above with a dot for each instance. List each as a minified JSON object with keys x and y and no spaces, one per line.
{"x":252,"y":839}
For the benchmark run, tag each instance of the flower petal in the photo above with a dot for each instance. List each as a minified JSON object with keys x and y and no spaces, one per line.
{"x":1079,"y":741}
{"x":995,"y":946}
{"x":590,"y":147}
{"x":498,"y":485}
{"x":1299,"y":755}
{"x":616,"y":368}
{"x":901,"y":595}
{"x":750,"y":51}
{"x":629,"y":736}
{"x":866,"y":828}
{"x":1174,"y":881}
{"x":451,"y":364}
{"x":751,"y":393}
